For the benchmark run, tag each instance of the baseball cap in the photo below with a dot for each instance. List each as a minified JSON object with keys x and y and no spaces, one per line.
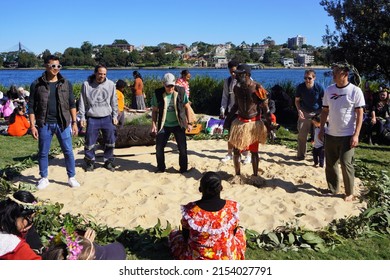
{"x":169,"y":79}
{"x":243,"y":68}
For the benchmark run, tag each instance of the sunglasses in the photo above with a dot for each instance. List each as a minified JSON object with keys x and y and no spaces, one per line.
{"x":54,"y":66}
{"x":169,"y":86}
{"x":308,"y":78}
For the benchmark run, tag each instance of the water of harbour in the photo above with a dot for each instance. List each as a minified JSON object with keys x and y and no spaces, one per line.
{"x":268,"y":77}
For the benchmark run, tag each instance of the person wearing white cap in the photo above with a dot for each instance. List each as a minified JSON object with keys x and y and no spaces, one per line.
{"x":171,"y":114}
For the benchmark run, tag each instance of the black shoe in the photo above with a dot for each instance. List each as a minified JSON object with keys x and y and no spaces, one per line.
{"x":300,"y":158}
{"x":109,"y":166}
{"x":89,"y":167}
{"x":159,"y":171}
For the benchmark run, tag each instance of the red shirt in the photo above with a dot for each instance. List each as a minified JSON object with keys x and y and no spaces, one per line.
{"x":15,"y":248}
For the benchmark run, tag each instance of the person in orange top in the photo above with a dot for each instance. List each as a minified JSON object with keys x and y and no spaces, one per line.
{"x":138,"y":101}
{"x":120,"y":87}
{"x":18,"y":123}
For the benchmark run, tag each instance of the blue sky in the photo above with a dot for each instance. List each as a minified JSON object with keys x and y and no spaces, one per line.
{"x":56,"y":25}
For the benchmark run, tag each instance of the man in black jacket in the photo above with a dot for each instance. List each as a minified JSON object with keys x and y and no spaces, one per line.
{"x":170,"y":115}
{"x":52,"y":110}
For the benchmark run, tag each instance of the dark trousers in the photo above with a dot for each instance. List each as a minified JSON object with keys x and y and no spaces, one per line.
{"x":338,"y":149}
{"x":318,"y":156}
{"x":161,"y":142}
{"x":94,"y":126}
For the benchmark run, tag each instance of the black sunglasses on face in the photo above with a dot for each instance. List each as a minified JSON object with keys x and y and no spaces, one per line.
{"x":308,"y":78}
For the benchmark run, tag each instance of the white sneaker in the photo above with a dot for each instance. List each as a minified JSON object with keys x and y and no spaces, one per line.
{"x":227,"y":158}
{"x":43,"y":183}
{"x":72,"y":182}
{"x":247,"y":160}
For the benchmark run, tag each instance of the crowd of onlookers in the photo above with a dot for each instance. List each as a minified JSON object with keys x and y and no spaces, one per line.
{"x":13,"y":111}
{"x":376,"y":125}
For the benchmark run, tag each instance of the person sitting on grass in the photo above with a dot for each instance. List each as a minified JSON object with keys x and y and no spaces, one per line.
{"x":18,"y":122}
{"x":17,"y":212}
{"x":70,"y":245}
{"x":210,"y":229}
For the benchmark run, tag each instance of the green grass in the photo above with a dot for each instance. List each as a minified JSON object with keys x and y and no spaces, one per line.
{"x":14,"y":150}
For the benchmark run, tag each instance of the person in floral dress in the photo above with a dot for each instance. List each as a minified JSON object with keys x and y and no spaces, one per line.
{"x":210,"y":226}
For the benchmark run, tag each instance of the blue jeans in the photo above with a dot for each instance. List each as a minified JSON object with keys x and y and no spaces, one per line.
{"x":161,"y":142}
{"x":94,"y":126}
{"x":44,"y":142}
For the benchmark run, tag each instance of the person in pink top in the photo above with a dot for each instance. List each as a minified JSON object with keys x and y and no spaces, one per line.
{"x":183,"y":81}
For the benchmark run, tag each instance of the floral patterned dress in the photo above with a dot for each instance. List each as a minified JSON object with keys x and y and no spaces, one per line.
{"x":213,"y":235}
{"x":184,"y":83}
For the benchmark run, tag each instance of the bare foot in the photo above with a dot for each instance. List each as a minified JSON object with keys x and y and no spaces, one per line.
{"x":349,"y":198}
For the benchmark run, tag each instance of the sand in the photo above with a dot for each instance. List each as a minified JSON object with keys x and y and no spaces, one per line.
{"x":134,"y":195}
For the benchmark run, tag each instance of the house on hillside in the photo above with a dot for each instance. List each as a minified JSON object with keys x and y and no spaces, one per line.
{"x":305,"y":59}
{"x":220,"y":61}
{"x":124,"y":47}
{"x":200,"y":62}
{"x":287,"y":62}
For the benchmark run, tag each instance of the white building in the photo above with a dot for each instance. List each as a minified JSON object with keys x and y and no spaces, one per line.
{"x":287,"y":62}
{"x":297,"y":41}
{"x":305,"y":59}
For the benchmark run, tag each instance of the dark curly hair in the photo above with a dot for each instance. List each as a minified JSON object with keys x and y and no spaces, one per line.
{"x":210,"y":184}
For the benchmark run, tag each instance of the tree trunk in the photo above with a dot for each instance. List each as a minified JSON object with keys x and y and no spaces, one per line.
{"x":132,"y":135}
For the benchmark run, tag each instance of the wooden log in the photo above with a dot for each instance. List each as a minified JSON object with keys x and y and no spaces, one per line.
{"x":132,"y":135}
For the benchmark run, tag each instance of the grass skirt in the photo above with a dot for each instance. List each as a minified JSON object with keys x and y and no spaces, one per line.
{"x":243,"y":134}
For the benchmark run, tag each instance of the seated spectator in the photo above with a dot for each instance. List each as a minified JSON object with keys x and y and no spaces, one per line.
{"x":7,"y":109}
{"x":284,"y":106}
{"x":17,"y":213}
{"x":120,"y":88}
{"x":12,"y":93}
{"x":18,"y":122}
{"x":210,"y":229}
{"x":69,"y":245}
{"x":380,"y":113}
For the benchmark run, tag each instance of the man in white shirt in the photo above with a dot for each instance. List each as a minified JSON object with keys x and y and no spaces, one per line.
{"x":343,"y":105}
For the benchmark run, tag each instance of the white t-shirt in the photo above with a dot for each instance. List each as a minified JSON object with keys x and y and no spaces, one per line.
{"x":342,"y":103}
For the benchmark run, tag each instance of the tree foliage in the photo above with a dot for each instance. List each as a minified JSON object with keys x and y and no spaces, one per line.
{"x":363,"y":35}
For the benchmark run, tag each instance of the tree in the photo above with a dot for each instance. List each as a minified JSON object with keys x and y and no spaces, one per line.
{"x":363,"y":35}
{"x":45,"y":54}
{"x":272,"y":55}
{"x":27,"y":60}
{"x":120,"y":42}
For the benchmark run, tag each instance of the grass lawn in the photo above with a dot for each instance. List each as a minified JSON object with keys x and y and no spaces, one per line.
{"x":14,"y":150}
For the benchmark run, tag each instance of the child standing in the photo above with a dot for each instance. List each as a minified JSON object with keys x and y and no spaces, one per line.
{"x":318,"y":145}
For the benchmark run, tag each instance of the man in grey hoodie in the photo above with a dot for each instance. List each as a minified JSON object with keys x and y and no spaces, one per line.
{"x":99,"y":111}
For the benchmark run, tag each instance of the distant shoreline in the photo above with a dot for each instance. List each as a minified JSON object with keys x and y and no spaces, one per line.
{"x":170,"y":67}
